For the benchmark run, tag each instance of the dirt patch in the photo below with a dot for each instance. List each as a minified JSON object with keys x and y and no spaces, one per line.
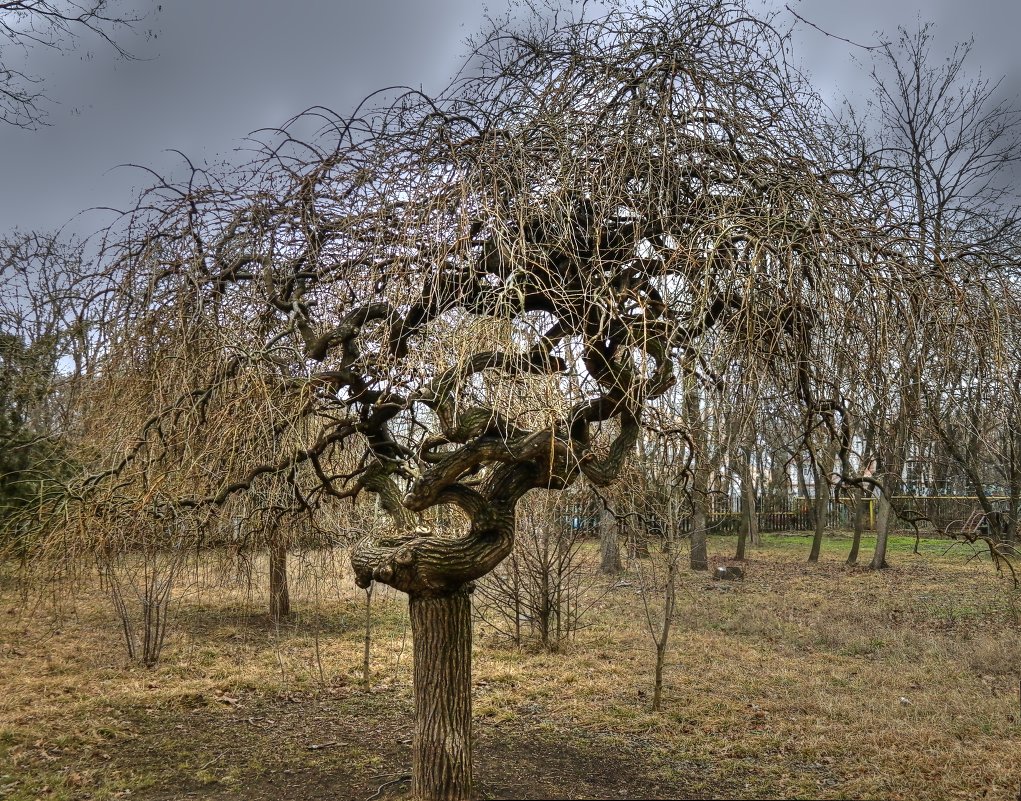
{"x":330,"y":745}
{"x":536,"y":765}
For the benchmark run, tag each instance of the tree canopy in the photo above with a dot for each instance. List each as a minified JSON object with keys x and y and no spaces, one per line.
{"x":478,"y":293}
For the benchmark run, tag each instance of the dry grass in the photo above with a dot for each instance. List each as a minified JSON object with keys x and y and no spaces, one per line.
{"x":800,"y":681}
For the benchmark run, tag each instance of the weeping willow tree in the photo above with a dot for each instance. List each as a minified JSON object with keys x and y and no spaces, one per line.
{"x":444,"y":302}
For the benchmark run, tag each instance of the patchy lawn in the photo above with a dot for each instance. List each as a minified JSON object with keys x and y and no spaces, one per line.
{"x":799,"y":681}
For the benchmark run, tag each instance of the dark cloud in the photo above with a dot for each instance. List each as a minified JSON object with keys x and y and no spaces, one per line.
{"x":216,"y":72}
{"x":220,"y":70}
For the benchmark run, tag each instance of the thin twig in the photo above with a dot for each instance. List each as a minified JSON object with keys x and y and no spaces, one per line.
{"x":402,"y":778}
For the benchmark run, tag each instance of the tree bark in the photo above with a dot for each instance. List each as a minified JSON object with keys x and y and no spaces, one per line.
{"x":609,"y":548}
{"x":822,"y":498}
{"x":441,"y":630}
{"x":882,"y":534}
{"x":861,"y":510}
{"x":279,"y":596}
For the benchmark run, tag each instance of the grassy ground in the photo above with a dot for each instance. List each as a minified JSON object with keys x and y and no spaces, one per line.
{"x":800,"y":681}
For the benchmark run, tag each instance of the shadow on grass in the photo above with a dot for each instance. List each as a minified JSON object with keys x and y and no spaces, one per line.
{"x":226,"y":621}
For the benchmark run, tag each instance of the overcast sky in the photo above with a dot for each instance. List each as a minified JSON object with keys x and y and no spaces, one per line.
{"x":220,"y":69}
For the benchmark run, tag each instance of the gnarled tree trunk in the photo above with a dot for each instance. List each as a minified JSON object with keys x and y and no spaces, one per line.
{"x":438,"y":572}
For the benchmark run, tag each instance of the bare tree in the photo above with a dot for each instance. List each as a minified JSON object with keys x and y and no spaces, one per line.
{"x":970,"y":397}
{"x":50,"y":297}
{"x":948,"y":146}
{"x":446,"y":302}
{"x":748,"y":533}
{"x":704,"y":458}
{"x":541,"y":584}
{"x":665,"y":466}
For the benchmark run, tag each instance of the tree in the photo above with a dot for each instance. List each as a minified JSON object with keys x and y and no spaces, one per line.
{"x":666,"y":473}
{"x":47,"y":298}
{"x":970,"y":398}
{"x":27,"y":452}
{"x":52,"y":25}
{"x":702,"y":470}
{"x":543,"y":580}
{"x":947,"y":146}
{"x":745,"y":440}
{"x":447,"y":302}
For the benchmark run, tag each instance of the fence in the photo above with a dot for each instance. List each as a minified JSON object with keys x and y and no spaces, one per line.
{"x":776,"y":514}
{"x":933,"y":513}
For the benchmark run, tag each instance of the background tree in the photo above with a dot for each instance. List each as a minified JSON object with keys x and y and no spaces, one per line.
{"x":746,"y":441}
{"x":947,"y":149}
{"x":50,"y":299}
{"x":28,"y":452}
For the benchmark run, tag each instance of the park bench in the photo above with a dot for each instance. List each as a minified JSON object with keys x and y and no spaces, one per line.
{"x":973,"y":524}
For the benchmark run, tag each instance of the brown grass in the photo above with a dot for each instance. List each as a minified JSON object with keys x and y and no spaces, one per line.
{"x":801,"y":681}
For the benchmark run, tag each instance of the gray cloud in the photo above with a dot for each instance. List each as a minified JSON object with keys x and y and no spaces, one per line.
{"x":992,"y":23}
{"x":219,"y":70}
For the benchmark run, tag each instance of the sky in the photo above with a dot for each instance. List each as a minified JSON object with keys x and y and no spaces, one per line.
{"x":220,"y":69}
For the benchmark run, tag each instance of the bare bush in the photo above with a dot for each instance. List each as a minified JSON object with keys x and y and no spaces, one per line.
{"x":539,"y":592}
{"x":140,"y":573}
